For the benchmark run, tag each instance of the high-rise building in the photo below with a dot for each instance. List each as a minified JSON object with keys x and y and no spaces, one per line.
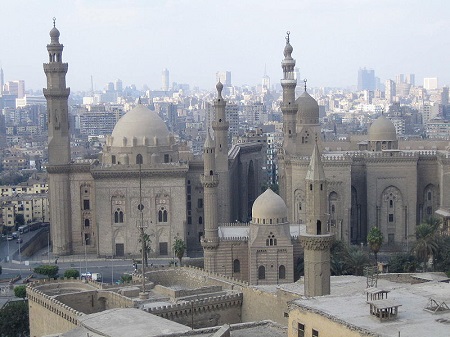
{"x":16,"y":88}
{"x":390,"y":90}
{"x":400,"y":78}
{"x":224,"y":77}
{"x":2,"y":80}
{"x":411,"y":79}
{"x":430,"y":83}
{"x":119,"y":86}
{"x":165,"y":79}
{"x":366,"y":79}
{"x":444,"y":96}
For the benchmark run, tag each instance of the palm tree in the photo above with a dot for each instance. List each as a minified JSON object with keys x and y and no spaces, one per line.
{"x":427,"y":241}
{"x":375,"y":240}
{"x":179,"y":248}
{"x":356,"y":260}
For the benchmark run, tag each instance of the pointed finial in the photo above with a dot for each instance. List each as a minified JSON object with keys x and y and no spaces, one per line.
{"x":305,"y":80}
{"x":287,"y":36}
{"x":54,"y":22}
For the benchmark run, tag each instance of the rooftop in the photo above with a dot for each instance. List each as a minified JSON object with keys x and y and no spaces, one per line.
{"x":347,"y":302}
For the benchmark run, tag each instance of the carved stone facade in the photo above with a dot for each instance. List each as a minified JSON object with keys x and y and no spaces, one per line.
{"x":94,"y":205}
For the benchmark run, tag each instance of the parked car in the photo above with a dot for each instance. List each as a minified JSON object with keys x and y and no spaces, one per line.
{"x":19,"y":240}
{"x":9,"y":237}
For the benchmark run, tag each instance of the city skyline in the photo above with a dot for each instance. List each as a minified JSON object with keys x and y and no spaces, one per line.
{"x":135,"y":41}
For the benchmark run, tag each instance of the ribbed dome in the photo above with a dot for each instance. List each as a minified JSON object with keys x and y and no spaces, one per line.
{"x":269,"y":205}
{"x":140,"y":123}
{"x":382,"y":129}
{"x":308,"y":109}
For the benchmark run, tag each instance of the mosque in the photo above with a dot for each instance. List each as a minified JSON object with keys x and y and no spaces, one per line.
{"x":328,"y":190}
{"x":144,"y":180}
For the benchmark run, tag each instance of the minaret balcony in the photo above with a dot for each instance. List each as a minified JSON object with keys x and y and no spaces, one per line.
{"x":56,"y":67}
{"x":57,"y":92}
{"x":209,"y":180}
{"x":211,"y":243}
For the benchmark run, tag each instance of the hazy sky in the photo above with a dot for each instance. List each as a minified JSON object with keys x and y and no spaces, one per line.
{"x":135,"y":40}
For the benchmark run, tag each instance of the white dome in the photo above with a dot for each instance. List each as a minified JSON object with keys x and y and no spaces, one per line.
{"x":382,"y":129}
{"x":140,"y":123}
{"x":269,"y":206}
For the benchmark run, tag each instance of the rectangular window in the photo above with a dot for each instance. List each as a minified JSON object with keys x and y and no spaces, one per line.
{"x":315,"y":333}
{"x":163,"y":248}
{"x":86,"y":204}
{"x":189,"y":207}
{"x":301,"y":330}
{"x":200,"y":203}
{"x":391,"y":217}
{"x":189,"y":220}
{"x":189,"y":189}
{"x":391,"y":239}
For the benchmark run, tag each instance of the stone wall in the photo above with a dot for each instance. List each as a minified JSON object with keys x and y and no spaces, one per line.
{"x":177,"y":293}
{"x":207,"y":312}
{"x":49,"y":315}
{"x":325,"y":324}
{"x":89,"y":302}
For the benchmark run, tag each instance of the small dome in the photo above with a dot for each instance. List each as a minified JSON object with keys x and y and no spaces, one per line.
{"x":269,"y":205}
{"x":382,"y":129}
{"x":288,"y":50}
{"x":219,"y":87}
{"x":54,"y":33}
{"x":139,"y":123}
{"x":308,"y":109}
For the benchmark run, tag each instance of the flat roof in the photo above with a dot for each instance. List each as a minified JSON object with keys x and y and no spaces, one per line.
{"x":347,"y":302}
{"x":128,"y":322}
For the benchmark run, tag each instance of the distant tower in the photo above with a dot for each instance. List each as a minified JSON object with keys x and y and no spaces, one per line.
{"x":220,"y":126}
{"x":119,"y":86}
{"x":210,"y":181}
{"x":265,"y":81}
{"x":317,"y":240}
{"x":288,"y":107}
{"x":366,"y":79}
{"x":58,"y":166}
{"x":2,"y":80}
{"x":390,"y":90}
{"x":165,"y":79}
{"x":224,"y":77}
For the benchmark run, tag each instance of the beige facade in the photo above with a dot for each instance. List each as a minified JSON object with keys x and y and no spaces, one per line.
{"x":94,"y":204}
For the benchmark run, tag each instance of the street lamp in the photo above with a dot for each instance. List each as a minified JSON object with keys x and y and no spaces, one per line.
{"x":142,"y":225}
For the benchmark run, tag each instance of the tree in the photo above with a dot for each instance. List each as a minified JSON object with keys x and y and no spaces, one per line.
{"x":356,"y":260}
{"x":375,"y":240}
{"x":148,"y":248}
{"x":20,"y":291}
{"x":427,"y":241}
{"x":14,"y":319}
{"x":71,"y":273}
{"x":179,"y":248}
{"x":48,"y":270}
{"x":126,"y":278}
{"x":402,"y":263}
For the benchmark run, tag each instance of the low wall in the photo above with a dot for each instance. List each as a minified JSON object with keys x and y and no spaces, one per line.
{"x":177,"y":293}
{"x":207,"y":312}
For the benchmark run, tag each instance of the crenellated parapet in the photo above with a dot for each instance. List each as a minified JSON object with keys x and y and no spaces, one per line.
{"x":316,"y":242}
{"x":235,"y":238}
{"x":194,"y":307}
{"x":53,"y":305}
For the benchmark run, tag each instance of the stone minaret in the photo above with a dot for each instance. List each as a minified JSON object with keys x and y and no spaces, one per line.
{"x":317,"y":240}
{"x":220,"y":127}
{"x":58,"y":167}
{"x":288,"y":106}
{"x":210,"y":181}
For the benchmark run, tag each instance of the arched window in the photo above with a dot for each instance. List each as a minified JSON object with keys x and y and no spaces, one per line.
{"x":162,"y":215}
{"x":210,"y":172}
{"x":282,"y":272}
{"x":139,"y":159}
{"x":118,"y":216}
{"x":261,"y":273}
{"x":429,"y":195}
{"x":236,"y":266}
{"x":86,"y":223}
{"x":200,"y":220}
